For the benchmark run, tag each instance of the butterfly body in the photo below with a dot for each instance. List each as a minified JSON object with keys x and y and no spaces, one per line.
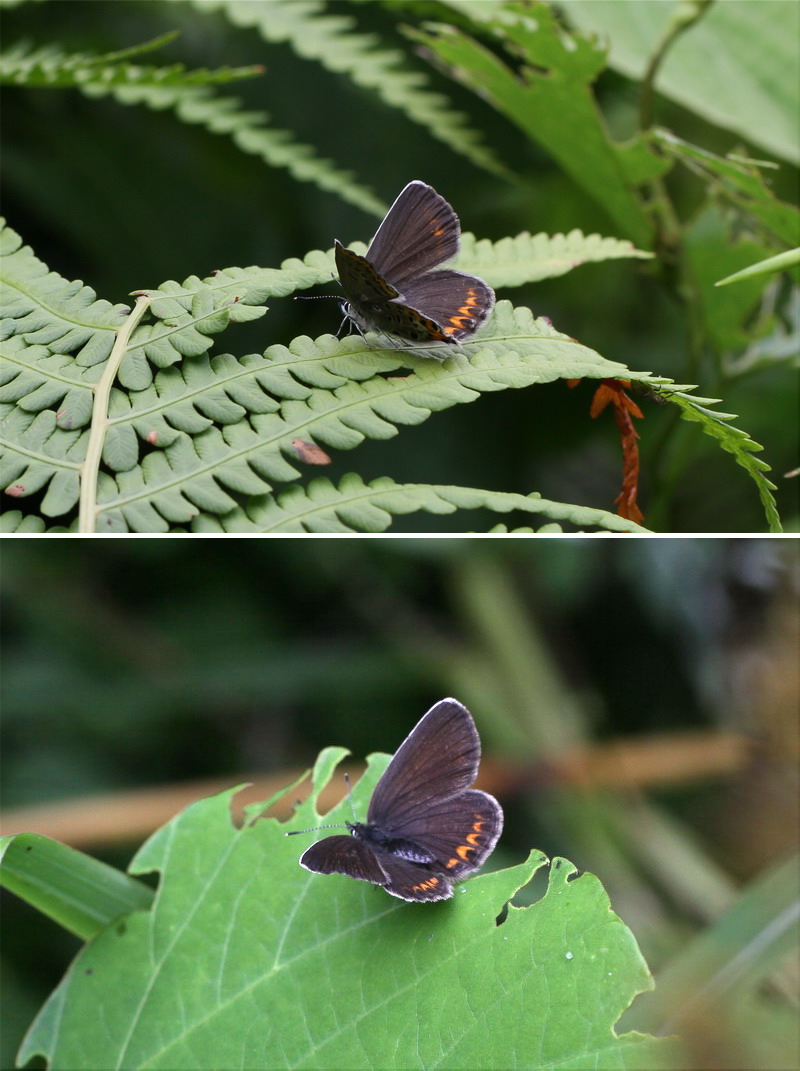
{"x":399,"y":286}
{"x":426,"y":828}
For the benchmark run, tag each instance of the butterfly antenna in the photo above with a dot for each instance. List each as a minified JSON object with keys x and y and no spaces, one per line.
{"x":337,"y":825}
{"x":293,"y":832}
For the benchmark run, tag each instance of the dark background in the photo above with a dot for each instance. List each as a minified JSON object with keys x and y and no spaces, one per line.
{"x":124,"y":198}
{"x":146,"y":663}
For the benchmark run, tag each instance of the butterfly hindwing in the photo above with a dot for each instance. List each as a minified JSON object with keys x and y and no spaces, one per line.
{"x":457,"y":302}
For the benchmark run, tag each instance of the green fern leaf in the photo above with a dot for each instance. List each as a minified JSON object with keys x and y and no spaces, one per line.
{"x":732,"y":439}
{"x":525,"y":258}
{"x":354,"y":506}
{"x":528,"y":258}
{"x":36,"y":453}
{"x":81,"y":316}
{"x":16,"y":522}
{"x":52,"y":69}
{"x":187,"y":93}
{"x":185,"y":437}
{"x":331,"y":41}
{"x":227,"y":426}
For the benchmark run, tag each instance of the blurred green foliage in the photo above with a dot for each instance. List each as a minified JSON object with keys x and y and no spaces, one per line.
{"x":144,"y":662}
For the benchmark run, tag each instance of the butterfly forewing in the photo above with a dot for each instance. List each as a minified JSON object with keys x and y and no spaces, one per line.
{"x":420,"y":232}
{"x":437,"y":761}
{"x":359,"y":279}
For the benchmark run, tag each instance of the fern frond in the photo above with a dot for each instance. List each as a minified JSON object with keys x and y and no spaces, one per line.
{"x":48,"y":67}
{"x":227,"y":427}
{"x":355,"y":506}
{"x":183,"y":434}
{"x":330,"y":40}
{"x":40,"y":307}
{"x":35,"y":454}
{"x":732,"y":439}
{"x":527,"y":258}
{"x":187,"y":93}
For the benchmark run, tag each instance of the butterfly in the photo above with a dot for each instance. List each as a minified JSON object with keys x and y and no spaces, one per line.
{"x":398,"y":287}
{"x":426,"y":828}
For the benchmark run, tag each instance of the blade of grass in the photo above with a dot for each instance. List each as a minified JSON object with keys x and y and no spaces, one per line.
{"x":79,"y":893}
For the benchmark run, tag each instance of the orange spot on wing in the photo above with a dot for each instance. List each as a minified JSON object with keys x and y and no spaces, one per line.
{"x":431,"y":883}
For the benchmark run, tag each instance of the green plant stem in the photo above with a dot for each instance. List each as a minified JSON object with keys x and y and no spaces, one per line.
{"x":686,"y":15}
{"x":87,"y":513}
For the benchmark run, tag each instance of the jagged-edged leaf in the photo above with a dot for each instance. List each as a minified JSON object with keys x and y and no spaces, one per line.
{"x":332,"y":41}
{"x":540,"y":77}
{"x":235,"y":963}
{"x":355,"y":506}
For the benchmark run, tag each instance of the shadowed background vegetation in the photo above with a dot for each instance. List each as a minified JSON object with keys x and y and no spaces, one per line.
{"x":636,"y":702}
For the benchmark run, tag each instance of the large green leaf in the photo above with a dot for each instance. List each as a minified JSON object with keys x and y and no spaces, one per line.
{"x":540,"y":78}
{"x":737,"y":66}
{"x":246,"y":960}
